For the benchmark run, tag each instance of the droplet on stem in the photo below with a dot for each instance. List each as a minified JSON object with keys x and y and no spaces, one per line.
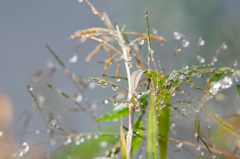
{"x":185,"y":43}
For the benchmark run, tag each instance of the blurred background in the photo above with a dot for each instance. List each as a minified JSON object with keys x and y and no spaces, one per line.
{"x":26,"y":27}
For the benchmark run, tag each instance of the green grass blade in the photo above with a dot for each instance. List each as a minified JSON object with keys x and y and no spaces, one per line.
{"x":152,"y":150}
{"x":119,"y":111}
{"x":163,"y":127}
{"x":221,"y":122}
{"x":238,"y":89}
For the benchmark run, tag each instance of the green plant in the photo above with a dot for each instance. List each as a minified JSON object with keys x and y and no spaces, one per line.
{"x":154,"y":103}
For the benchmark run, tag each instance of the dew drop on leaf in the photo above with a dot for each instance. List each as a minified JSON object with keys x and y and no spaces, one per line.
{"x":103,"y":144}
{"x":1,"y":133}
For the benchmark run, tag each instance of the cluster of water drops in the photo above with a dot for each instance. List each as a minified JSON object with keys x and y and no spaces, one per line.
{"x":224,"y":83}
{"x":22,"y":151}
{"x":104,"y":83}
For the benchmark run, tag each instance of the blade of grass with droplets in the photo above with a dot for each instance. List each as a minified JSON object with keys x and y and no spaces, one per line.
{"x":122,"y":109}
{"x":137,"y":139}
{"x":220,"y":122}
{"x":163,"y":125}
{"x":151,"y":149}
{"x":164,"y":115}
{"x":34,"y":98}
{"x":123,"y":143}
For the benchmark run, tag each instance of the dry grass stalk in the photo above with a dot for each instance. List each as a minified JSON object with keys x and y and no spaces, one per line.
{"x":94,"y":52}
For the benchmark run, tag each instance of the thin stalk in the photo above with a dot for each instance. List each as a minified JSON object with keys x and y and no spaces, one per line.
{"x":131,"y":107}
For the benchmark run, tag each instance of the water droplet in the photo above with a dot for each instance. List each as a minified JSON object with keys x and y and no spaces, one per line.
{"x":20,"y":153}
{"x":30,"y":89}
{"x":198,"y":75}
{"x":41,"y":98}
{"x":118,"y":80}
{"x":37,"y":132}
{"x":92,"y":85}
{"x":137,"y":108}
{"x":94,"y":10}
{"x":196,"y":135}
{"x":80,"y":1}
{"x":1,"y":133}
{"x":173,"y":94}
{"x":176,"y":35}
{"x":181,"y":77}
{"x":97,"y":82}
{"x":214,"y":157}
{"x":141,"y":42}
{"x":202,"y":153}
{"x":114,"y":87}
{"x":73,"y":59}
{"x":215,"y":59}
{"x":67,"y":140}
{"x":79,"y":98}
{"x":185,"y":43}
{"x":202,"y":42}
{"x":115,"y":103}
{"x":235,"y":64}
{"x":179,"y":145}
{"x":200,"y":59}
{"x":196,"y":110}
{"x":129,"y":65}
{"x":77,"y":142}
{"x":103,"y":18}
{"x":82,"y":140}
{"x":89,"y":136}
{"x":35,"y":78}
{"x":173,"y":125}
{"x":104,"y":84}
{"x":183,"y":109}
{"x":198,"y":148}
{"x":52,"y":123}
{"x":103,"y":144}
{"x":106,"y":101}
{"x":95,"y":136}
{"x":25,"y":148}
{"x":52,"y":142}
{"x":224,"y":46}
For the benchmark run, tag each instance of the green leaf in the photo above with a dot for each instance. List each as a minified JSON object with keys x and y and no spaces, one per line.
{"x":238,"y":89}
{"x":152,"y":133}
{"x":163,"y":125}
{"x":119,"y":111}
{"x":136,"y":141}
